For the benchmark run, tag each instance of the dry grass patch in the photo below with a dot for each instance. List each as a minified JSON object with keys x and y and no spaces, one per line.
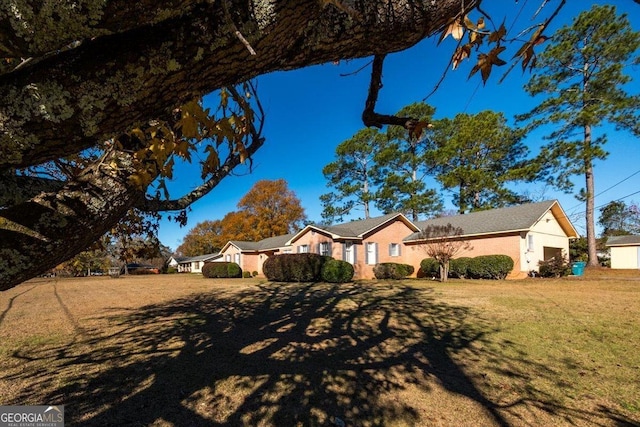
{"x":183,"y":350}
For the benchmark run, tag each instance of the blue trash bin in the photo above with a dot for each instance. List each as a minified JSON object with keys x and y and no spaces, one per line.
{"x":577,"y":268}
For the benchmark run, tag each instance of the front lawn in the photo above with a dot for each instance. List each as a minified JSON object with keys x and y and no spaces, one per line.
{"x":182,"y":350}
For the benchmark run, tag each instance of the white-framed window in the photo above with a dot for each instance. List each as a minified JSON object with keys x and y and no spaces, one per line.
{"x":530,"y":243}
{"x":324,"y":248}
{"x":303,"y":249}
{"x":394,"y":249}
{"x":372,"y":253}
{"x":349,"y":252}
{"x":227,"y":257}
{"x":236,"y":258}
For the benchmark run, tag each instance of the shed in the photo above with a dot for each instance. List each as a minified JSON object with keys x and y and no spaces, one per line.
{"x":625,"y":252}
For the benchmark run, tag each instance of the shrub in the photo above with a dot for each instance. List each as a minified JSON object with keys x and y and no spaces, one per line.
{"x":254,"y":273}
{"x":554,"y":267}
{"x":172,"y":270}
{"x":490,"y":267}
{"x":305,"y":267}
{"x":392,"y":270}
{"x":336,"y":271}
{"x":213,"y":270}
{"x":246,"y":275}
{"x":429,"y":267}
{"x":459,"y":267}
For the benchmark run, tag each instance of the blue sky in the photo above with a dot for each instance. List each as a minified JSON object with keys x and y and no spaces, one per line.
{"x":310,"y":111}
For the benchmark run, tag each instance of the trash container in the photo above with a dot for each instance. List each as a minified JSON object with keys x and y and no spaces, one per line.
{"x":577,"y":268}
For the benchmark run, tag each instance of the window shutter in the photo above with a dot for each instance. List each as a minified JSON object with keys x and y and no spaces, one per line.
{"x":344,"y":251}
{"x":399,"y":249}
{"x":375,"y":252}
{"x":390,"y":249}
{"x":329,"y":249}
{"x":355,"y":253}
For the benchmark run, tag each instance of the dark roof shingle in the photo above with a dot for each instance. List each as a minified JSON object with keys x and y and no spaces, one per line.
{"x":512,"y":218}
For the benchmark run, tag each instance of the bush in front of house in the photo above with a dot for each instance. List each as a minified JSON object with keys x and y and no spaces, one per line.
{"x":557,"y":266}
{"x":246,"y":275}
{"x":221,"y":270}
{"x":490,"y":267}
{"x":429,"y":267}
{"x":459,"y":267}
{"x":305,"y":267}
{"x":336,"y":271}
{"x":392,"y":270}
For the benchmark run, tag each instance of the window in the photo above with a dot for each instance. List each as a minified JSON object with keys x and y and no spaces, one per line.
{"x":324,"y":248}
{"x":349,"y":252}
{"x":303,"y":249}
{"x":227,"y":257}
{"x":394,"y":249}
{"x":236,"y":258}
{"x":530,"y":243}
{"x":372,"y":253}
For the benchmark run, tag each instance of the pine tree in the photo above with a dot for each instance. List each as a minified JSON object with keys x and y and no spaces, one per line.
{"x":478,"y":155}
{"x":581,"y":74}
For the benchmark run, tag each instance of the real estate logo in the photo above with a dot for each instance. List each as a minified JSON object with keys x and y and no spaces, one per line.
{"x":32,"y":416}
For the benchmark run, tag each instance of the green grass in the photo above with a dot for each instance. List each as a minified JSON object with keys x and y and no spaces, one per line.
{"x":183,"y":350}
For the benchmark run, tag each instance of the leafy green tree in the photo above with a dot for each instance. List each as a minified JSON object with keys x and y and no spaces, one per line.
{"x":581,"y":75}
{"x":351,"y":176}
{"x":618,"y":219}
{"x":478,"y":156}
{"x":405,"y":160}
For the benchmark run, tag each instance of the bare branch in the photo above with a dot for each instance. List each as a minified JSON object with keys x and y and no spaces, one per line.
{"x":369,"y":116}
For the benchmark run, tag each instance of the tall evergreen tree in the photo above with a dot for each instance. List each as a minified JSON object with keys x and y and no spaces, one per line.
{"x":478,"y":155}
{"x":618,"y":219}
{"x":351,"y":177}
{"x":581,"y":75}
{"x":406,"y":160}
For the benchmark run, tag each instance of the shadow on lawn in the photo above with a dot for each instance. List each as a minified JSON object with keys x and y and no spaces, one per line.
{"x":281,"y":355}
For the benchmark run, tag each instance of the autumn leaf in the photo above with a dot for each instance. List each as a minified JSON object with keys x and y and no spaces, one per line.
{"x":498,"y":35}
{"x":212,"y":162}
{"x":526,"y":52}
{"x":460,"y":55}
{"x":418,"y":129}
{"x":455,"y":29}
{"x":486,"y":62}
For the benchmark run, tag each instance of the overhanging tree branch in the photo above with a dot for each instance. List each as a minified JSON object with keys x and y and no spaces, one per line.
{"x":369,"y":116}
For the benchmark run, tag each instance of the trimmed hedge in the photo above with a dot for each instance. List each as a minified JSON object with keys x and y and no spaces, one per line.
{"x":305,"y":267}
{"x":336,"y":271}
{"x":459,"y":267}
{"x":429,"y":267}
{"x":392,"y":270}
{"x":219,"y":270}
{"x":490,"y":267}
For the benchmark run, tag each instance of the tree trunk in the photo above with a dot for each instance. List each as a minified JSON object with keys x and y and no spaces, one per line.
{"x":590,"y":202}
{"x":54,"y":227}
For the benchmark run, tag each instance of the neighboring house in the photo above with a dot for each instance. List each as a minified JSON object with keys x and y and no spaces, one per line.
{"x":527,"y":233}
{"x":363,"y":243}
{"x":251,"y":255}
{"x":625,"y":251}
{"x":192,"y":264}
